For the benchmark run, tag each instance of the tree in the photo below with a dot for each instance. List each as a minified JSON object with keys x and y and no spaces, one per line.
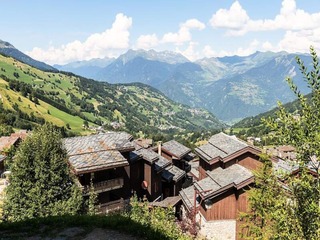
{"x":268,"y":216}
{"x":303,"y":132}
{"x":40,"y":183}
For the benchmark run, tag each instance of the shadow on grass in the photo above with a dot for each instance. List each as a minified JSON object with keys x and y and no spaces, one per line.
{"x":119,"y":223}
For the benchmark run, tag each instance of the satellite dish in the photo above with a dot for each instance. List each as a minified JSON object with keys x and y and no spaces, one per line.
{"x":144,"y":185}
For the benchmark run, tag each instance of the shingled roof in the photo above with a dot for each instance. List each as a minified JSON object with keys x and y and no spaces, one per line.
{"x":175,"y":149}
{"x":219,"y":180}
{"x":90,"y":162}
{"x":221,"y":146}
{"x":187,"y":196}
{"x":152,"y":157}
{"x":99,"y":142}
{"x":173,"y":173}
{"x":7,"y":142}
{"x":98,"y":152}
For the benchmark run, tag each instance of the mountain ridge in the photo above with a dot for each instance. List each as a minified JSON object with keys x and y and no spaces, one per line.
{"x":232,"y":87}
{"x":9,"y":50}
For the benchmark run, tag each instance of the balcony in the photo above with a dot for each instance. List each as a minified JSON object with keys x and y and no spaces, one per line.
{"x":112,"y":206}
{"x":103,"y":186}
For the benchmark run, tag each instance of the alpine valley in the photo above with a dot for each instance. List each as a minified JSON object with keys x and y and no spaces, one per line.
{"x":32,"y":92}
{"x":231,"y":88}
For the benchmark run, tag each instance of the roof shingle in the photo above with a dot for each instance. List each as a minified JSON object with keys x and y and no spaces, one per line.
{"x":176,"y":149}
{"x":221,"y":179}
{"x":220,"y":145}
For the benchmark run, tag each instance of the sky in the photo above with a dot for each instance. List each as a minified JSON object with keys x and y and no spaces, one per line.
{"x":63,"y":31}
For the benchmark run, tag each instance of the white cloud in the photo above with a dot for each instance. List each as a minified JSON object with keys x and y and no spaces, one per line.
{"x":234,"y":18}
{"x":190,"y":51}
{"x":253,"y":46}
{"x":299,"y":41}
{"x":208,"y":52}
{"x":98,"y":45}
{"x":183,"y":35}
{"x":237,"y":22}
{"x":147,"y":41}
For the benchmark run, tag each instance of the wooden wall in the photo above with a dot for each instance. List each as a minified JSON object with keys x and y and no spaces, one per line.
{"x":136,"y":177}
{"x":247,"y":160}
{"x":226,"y":206}
{"x":223,"y":207}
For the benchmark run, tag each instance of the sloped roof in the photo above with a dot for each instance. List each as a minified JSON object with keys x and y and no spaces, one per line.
{"x":92,"y":161}
{"x":97,"y":152}
{"x":173,"y":173}
{"x":152,"y":157}
{"x":284,"y":167}
{"x":161,"y":163}
{"x":221,"y":146}
{"x":175,"y":148}
{"x":219,"y":180}
{"x":7,"y":142}
{"x":187,"y":196}
{"x":99,"y":142}
{"x":167,"y":202}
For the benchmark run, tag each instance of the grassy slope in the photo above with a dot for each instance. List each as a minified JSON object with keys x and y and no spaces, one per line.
{"x":137,"y":106}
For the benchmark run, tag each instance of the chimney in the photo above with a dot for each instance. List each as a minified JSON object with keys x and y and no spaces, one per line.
{"x":159,"y":147}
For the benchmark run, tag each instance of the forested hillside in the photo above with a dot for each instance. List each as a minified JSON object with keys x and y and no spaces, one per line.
{"x":30,"y":96}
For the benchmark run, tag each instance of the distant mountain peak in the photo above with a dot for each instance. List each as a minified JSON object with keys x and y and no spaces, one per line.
{"x":4,"y":44}
{"x":8,"y":49}
{"x":162,"y":56}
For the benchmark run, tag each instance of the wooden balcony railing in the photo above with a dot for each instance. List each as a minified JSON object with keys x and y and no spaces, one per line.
{"x":104,"y":186}
{"x":112,"y":206}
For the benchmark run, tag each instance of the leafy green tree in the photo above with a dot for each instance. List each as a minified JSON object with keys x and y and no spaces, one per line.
{"x":303,"y":132}
{"x":5,"y":130}
{"x":268,"y":216}
{"x":40,"y":183}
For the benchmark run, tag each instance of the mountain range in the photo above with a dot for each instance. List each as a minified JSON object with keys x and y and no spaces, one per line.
{"x":29,"y":96}
{"x":231,"y":87}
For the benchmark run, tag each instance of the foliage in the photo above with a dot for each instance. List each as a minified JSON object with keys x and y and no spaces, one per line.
{"x":5,"y":130}
{"x":41,"y":183}
{"x":92,"y":201}
{"x":267,"y":199}
{"x":296,"y":212}
{"x":161,"y":220}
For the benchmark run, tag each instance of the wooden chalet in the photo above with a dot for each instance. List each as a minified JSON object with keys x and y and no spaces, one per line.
{"x":223,"y":151}
{"x":105,"y":160}
{"x":225,"y":165}
{"x":177,"y":153}
{"x":161,"y":178}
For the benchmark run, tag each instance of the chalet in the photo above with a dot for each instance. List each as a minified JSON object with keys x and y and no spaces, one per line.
{"x":223,"y":151}
{"x":225,"y":165}
{"x":161,"y":178}
{"x":103,"y":159}
{"x":177,"y":153}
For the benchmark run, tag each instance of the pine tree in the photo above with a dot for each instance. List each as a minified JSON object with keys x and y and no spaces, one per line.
{"x":40,"y":183}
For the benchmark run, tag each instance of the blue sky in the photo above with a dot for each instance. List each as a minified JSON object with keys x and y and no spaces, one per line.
{"x":65,"y":31}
